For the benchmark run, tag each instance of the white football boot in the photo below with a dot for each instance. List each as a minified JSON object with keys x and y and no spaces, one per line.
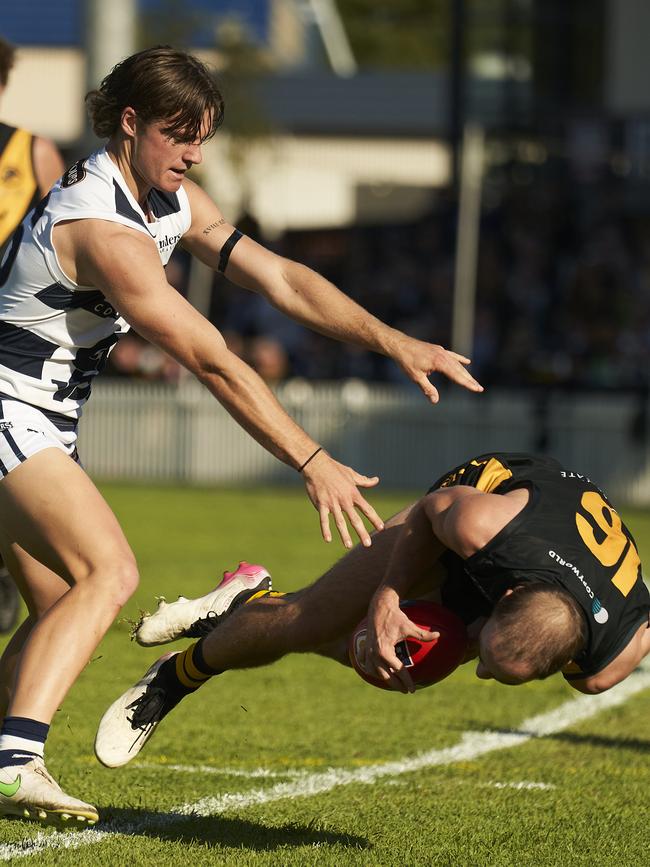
{"x":193,"y":618}
{"x":131,"y":720}
{"x":29,"y":792}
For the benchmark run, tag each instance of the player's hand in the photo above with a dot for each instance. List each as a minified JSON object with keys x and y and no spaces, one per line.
{"x":333,"y":488}
{"x":387,"y":625}
{"x":419,"y":360}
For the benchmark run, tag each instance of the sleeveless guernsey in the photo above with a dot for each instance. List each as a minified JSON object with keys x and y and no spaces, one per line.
{"x":568,"y":535}
{"x":55,"y":336}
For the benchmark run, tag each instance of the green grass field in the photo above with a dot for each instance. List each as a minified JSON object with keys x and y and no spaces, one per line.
{"x":303,"y":763}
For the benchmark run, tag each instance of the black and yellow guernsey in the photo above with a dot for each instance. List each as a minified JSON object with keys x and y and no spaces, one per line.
{"x":568,"y":535}
{"x":18,"y":185}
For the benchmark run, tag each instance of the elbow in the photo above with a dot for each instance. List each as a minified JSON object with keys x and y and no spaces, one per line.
{"x":208,"y":373}
{"x":591,"y":685}
{"x":213,"y":360}
{"x":435,"y":506}
{"x":218,"y":370}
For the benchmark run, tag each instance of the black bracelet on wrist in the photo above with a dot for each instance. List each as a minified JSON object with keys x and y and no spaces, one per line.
{"x":310,"y":458}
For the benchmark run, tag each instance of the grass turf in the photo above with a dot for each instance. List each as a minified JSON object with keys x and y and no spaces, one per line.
{"x":306,"y":714}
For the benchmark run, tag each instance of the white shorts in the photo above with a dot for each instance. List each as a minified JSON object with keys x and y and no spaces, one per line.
{"x":26,"y":430}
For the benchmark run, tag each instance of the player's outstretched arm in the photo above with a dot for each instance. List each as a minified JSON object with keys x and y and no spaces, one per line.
{"x":313,"y":301}
{"x":125,"y":265}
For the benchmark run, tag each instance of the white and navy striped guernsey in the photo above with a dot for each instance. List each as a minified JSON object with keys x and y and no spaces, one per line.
{"x":55,"y":336}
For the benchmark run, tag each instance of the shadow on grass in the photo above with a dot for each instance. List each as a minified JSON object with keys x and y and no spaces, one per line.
{"x":634,"y":744}
{"x":221,"y":830}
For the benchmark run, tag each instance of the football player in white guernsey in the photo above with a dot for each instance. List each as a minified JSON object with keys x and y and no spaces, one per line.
{"x":29,"y":165}
{"x":85,"y":265}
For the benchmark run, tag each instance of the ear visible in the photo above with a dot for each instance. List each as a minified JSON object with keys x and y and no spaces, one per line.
{"x":128,"y":121}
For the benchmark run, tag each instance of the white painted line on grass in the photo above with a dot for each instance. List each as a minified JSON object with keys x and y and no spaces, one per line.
{"x":472,"y":745}
{"x":522,"y":784}
{"x":221,"y":772}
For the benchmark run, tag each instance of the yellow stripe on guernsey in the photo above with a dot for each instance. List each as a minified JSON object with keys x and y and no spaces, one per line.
{"x":17,"y":182}
{"x":492,"y":475}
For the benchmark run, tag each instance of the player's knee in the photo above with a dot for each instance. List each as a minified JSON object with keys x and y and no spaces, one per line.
{"x":116,"y":580}
{"x":125,"y":580}
{"x":308,"y":626}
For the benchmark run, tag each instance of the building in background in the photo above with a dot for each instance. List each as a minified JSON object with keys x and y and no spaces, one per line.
{"x":355,"y":172}
{"x":343,"y":151}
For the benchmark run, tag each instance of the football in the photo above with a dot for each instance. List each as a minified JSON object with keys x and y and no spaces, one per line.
{"x":428,"y":662}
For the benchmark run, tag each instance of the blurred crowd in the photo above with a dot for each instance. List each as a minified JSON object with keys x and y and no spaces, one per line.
{"x":563,"y":295}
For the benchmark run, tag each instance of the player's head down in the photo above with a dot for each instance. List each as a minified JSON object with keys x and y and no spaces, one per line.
{"x":533,"y":632}
{"x":160,"y":84}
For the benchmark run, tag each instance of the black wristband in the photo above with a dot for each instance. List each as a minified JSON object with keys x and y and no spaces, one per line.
{"x":310,"y":458}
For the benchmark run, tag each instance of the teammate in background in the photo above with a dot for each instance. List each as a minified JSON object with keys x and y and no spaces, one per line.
{"x":532,"y":557}
{"x":29,"y":165}
{"x":83,"y":266}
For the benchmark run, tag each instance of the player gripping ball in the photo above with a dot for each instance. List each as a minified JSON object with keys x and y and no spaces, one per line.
{"x":427,"y":662}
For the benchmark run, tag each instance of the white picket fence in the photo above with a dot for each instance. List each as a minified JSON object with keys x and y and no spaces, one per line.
{"x":180,"y":434}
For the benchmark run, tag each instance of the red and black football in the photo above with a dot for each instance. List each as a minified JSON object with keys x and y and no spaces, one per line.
{"x":427,"y":662}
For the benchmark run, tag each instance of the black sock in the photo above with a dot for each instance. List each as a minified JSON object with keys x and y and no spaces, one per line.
{"x":185,"y":672}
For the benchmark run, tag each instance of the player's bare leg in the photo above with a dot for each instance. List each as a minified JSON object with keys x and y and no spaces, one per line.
{"x":40,"y":588}
{"x":427,"y":587}
{"x":51,"y":510}
{"x":316,"y":619}
{"x":9,"y":602}
{"x":9,"y":663}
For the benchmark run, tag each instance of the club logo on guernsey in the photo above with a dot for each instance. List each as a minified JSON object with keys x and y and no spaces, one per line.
{"x":10,"y":789}
{"x":75,"y":173}
{"x":601,"y":614}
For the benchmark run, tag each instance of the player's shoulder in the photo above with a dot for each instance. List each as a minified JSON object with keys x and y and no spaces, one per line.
{"x":195,"y":196}
{"x":467,"y":520}
{"x":92,"y":188}
{"x":88,"y":183}
{"x":47,"y":163}
{"x":192,"y":189}
{"x":44,"y":146}
{"x":498,"y":471}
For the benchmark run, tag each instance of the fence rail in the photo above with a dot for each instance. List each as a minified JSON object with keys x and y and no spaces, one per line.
{"x":180,"y":434}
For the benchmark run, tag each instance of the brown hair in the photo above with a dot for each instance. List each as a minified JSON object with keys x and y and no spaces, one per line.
{"x":160,"y":84}
{"x":7,"y":57}
{"x":540,"y":626}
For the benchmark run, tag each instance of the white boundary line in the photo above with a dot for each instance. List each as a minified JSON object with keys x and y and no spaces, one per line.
{"x":522,"y":784}
{"x":471,"y":746}
{"x":266,"y":773}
